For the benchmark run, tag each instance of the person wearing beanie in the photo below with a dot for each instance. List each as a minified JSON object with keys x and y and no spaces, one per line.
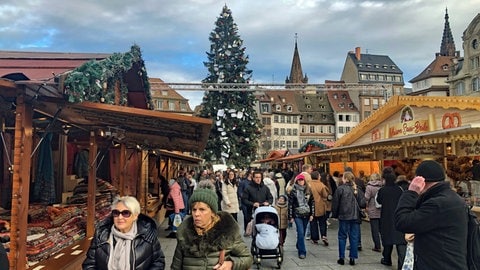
{"x":209,"y":238}
{"x":437,"y":216}
{"x":388,"y":197}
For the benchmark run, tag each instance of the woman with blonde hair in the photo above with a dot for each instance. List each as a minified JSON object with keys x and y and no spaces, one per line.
{"x":347,"y":203}
{"x":374,"y":184}
{"x":125,"y":240}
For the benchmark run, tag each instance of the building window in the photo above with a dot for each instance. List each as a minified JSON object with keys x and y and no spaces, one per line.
{"x":366,"y":114}
{"x":171,"y":106}
{"x":282,"y":132}
{"x":312,"y":129}
{"x":289,"y":144}
{"x":347,"y":129}
{"x":289,"y":132}
{"x":289,"y":119}
{"x":275,"y":131}
{"x":278,"y":107}
{"x":265,"y":108}
{"x":183,"y":106}
{"x":295,"y":144}
{"x":282,"y":118}
{"x":295,"y":132}
{"x":276,"y":144}
{"x":375,"y":104}
{"x":366,"y":102}
{"x":460,"y":89}
{"x":266,"y":121}
{"x":348,"y":118}
{"x":294,"y":118}
{"x":340,"y":117}
{"x":289,"y":108}
{"x":340,"y":130}
{"x":475,"y":84}
{"x":303,"y":129}
{"x":164,"y":93}
{"x":275,"y":118}
{"x":160,"y":104}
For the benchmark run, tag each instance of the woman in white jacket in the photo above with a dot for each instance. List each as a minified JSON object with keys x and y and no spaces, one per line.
{"x":230,"y":202}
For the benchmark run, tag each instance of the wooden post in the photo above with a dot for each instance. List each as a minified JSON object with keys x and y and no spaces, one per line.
{"x":21,"y":184}
{"x":122,"y":162}
{"x":143,"y":183}
{"x":92,"y":184}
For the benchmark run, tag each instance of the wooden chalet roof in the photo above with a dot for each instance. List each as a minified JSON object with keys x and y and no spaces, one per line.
{"x":146,"y":128}
{"x":18,"y":65}
{"x":396,"y":103}
{"x":51,"y":99}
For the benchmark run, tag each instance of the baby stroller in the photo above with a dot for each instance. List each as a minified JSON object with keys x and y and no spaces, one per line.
{"x":265,"y":236}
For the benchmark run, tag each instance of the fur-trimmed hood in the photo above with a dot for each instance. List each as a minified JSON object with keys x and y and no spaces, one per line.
{"x":221,"y":236}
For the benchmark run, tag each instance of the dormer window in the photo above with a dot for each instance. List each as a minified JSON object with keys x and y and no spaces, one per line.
{"x":385,"y":66}
{"x":341,"y":105}
{"x":335,"y":96}
{"x":289,"y":108}
{"x":360,"y":65}
{"x":283,"y":100}
{"x":309,"y":107}
{"x":377,"y":65}
{"x":164,"y":92}
{"x":369,"y":65}
{"x":278,"y":107}
{"x":351,"y":105}
{"x":344,"y":96}
{"x":392,"y":67}
{"x":445,"y":67}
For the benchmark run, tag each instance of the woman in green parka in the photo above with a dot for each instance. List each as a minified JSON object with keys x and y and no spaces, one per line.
{"x":208,"y":239}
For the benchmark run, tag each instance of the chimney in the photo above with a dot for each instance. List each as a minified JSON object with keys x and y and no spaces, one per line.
{"x":357,"y":53}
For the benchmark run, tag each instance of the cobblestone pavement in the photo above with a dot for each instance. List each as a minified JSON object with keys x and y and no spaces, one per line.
{"x":319,"y":257}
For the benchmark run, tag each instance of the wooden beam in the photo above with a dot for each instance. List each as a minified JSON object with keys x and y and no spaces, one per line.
{"x":21,"y":184}
{"x":143,"y":183}
{"x":122,"y":162}
{"x":92,"y":184}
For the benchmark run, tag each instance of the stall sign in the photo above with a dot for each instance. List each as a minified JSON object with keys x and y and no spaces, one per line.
{"x":422,"y":151}
{"x":361,"y":156}
{"x":390,"y":154}
{"x":467,"y":148}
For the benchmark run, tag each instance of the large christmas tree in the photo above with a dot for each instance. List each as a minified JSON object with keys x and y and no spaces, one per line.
{"x":235,"y":131}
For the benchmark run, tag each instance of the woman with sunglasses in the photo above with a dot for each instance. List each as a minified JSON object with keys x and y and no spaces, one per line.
{"x":127,"y":239}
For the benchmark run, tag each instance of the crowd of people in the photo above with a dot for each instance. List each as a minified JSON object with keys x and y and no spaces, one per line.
{"x":423,"y":212}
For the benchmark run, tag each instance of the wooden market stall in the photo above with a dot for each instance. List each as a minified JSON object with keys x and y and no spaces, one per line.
{"x":102,"y":106}
{"x":409,"y":129}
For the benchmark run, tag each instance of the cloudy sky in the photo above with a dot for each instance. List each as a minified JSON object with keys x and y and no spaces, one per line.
{"x":173,"y":34}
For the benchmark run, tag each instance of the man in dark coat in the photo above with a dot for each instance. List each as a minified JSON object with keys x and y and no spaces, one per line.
{"x":388,"y":197}
{"x":437,"y":216}
{"x":256,"y":194}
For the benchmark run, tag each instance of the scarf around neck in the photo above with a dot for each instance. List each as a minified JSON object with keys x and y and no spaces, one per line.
{"x":301,"y":196}
{"x":120,"y":253}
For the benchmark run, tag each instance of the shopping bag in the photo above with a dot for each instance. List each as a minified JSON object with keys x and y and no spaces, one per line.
{"x":177,"y":220}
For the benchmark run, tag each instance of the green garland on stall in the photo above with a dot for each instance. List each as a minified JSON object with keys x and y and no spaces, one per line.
{"x":307,"y":146}
{"x":86,"y":83}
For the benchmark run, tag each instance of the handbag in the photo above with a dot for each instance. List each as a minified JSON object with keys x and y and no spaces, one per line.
{"x":302,"y":210}
{"x":361,"y":211}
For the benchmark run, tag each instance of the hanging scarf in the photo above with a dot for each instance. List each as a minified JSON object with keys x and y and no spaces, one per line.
{"x":301,"y":196}
{"x":120,"y":253}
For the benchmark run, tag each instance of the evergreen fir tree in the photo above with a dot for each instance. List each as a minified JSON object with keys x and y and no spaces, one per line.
{"x":235,"y":130}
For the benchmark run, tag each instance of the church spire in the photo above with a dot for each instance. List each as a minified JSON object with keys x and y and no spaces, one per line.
{"x":448,"y":45}
{"x":296,"y":73}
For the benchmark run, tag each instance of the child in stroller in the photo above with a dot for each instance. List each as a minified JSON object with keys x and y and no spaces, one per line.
{"x":265,"y":237}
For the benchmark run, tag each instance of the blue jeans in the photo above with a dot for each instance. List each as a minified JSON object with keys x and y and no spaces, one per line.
{"x":350,"y":228}
{"x":301,"y":224}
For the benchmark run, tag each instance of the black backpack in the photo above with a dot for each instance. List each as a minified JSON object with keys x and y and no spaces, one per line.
{"x":473,"y":241}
